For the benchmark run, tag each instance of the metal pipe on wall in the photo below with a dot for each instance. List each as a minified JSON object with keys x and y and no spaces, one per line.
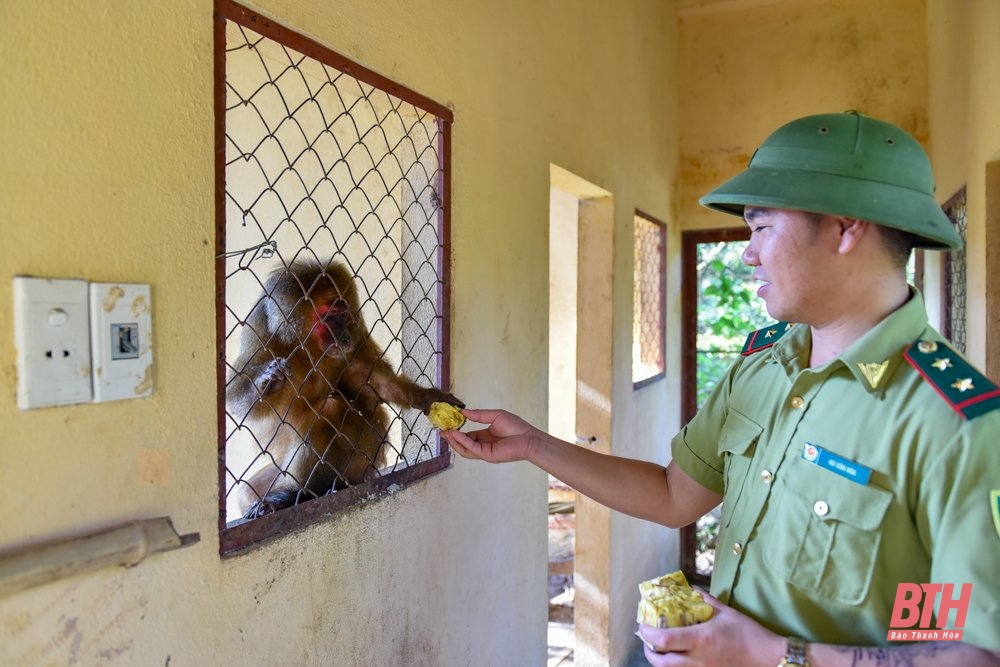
{"x":127,"y":544}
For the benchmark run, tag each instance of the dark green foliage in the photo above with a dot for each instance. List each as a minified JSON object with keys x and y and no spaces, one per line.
{"x":728,"y":310}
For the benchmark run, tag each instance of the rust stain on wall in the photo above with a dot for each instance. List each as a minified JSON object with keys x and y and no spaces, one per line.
{"x":154,"y":467}
{"x":699,"y":171}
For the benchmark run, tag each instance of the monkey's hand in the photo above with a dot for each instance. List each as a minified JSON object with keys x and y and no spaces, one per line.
{"x":422,"y":398}
{"x":274,"y":374}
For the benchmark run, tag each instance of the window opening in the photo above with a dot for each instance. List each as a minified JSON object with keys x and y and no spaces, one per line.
{"x":955,"y":279}
{"x":720,"y":307}
{"x":332,"y":284}
{"x":649,"y":300}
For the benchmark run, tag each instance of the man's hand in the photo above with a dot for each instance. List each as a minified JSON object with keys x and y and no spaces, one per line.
{"x":728,"y":638}
{"x":508,"y":437}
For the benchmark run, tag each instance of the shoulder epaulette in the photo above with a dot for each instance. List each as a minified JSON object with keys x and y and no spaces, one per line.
{"x":761,"y":339}
{"x":965,"y":389}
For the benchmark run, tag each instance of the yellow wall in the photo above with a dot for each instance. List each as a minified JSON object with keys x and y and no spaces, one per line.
{"x":106,"y":174}
{"x":747,"y":67}
{"x":930,"y":66}
{"x":965,"y":137}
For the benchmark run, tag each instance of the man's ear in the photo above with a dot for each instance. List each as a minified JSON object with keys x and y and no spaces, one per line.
{"x":852,"y":231}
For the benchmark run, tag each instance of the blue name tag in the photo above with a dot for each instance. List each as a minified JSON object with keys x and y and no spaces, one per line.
{"x":838,"y":464}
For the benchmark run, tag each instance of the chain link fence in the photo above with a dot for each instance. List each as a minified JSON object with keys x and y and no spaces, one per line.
{"x":955,"y":278}
{"x":333,"y":284}
{"x":649,"y":300}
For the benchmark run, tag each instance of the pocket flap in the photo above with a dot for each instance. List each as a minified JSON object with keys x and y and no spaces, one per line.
{"x":863,"y":506}
{"x":739,"y":434}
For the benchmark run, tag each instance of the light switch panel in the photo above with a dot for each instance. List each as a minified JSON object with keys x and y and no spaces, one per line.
{"x":52,"y":342}
{"x":121,"y":337}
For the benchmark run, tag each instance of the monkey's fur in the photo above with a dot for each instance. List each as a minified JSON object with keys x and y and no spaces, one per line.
{"x":310,"y":383}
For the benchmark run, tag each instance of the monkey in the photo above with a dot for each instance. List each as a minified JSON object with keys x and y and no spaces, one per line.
{"x":312,"y":385}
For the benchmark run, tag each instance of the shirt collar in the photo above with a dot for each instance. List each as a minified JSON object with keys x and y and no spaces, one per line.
{"x":873,"y":358}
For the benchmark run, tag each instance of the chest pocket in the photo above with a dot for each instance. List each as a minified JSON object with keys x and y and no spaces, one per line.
{"x":827,"y":532}
{"x":737,"y":444}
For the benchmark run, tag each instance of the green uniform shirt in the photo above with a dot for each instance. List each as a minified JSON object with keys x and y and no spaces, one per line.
{"x":813,"y":553}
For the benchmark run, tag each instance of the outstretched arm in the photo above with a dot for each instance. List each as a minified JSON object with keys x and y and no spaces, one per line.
{"x":638,"y":488}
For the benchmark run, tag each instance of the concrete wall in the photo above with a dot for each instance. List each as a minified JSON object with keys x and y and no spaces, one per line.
{"x":965,"y":147}
{"x":930,"y":66}
{"x":107,"y":174}
{"x":748,"y":66}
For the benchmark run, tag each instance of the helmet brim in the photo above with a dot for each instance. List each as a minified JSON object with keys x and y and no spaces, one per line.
{"x":833,"y":194}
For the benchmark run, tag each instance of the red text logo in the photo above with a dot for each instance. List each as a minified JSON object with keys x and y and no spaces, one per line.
{"x":914,"y":606}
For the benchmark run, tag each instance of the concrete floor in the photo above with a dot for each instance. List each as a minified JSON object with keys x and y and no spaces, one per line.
{"x":561,"y":647}
{"x":562,"y":529}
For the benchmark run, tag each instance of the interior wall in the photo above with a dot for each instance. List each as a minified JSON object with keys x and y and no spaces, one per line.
{"x":747,"y":67}
{"x":930,"y":66}
{"x":107,"y":175}
{"x":965,"y":140}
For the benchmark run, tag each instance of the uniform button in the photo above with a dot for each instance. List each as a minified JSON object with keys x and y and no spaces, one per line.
{"x":766,"y":476}
{"x":797,"y":402}
{"x":821,"y":508}
{"x":737,"y":548}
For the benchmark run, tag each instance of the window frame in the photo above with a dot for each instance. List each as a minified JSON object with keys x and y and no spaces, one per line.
{"x":661,"y":228}
{"x":689,"y":360}
{"x":235,"y":537}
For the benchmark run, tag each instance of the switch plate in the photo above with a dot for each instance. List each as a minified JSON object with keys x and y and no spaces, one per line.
{"x":52,"y":342}
{"x":121,"y":337}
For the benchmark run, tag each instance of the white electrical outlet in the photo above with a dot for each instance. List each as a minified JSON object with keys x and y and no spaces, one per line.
{"x":52,"y":342}
{"x":122,"y":340}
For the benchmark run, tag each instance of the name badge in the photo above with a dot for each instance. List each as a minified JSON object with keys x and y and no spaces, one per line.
{"x":838,"y":464}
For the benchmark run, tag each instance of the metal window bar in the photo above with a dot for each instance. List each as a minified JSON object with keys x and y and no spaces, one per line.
{"x":955,"y":277}
{"x":649,"y":301}
{"x":320,"y":161}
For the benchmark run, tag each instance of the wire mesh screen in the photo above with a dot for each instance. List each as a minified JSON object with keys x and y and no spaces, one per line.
{"x":333,"y":284}
{"x":955,"y":279}
{"x":649,"y":300}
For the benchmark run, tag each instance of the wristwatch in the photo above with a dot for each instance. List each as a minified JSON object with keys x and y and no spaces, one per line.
{"x":796,"y":654}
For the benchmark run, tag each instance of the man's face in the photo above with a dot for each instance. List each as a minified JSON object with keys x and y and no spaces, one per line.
{"x":788,"y":255}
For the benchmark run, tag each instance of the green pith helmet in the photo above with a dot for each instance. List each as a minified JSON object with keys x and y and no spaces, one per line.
{"x":843,"y":164}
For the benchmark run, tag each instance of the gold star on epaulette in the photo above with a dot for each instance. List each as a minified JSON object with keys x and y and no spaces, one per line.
{"x":967,"y":391}
{"x":963,"y":385}
{"x":765,"y":337}
{"x":942,"y":364}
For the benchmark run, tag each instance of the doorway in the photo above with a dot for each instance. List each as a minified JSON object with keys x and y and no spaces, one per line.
{"x":581,"y":232}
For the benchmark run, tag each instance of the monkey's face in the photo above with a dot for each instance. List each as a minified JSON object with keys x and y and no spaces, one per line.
{"x":314,"y":309}
{"x":333,"y":327}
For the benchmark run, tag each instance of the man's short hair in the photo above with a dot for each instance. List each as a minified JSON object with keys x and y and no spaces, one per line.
{"x":899,"y":244}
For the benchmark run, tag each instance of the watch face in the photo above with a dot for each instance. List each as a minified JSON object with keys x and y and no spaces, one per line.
{"x":796,"y":654}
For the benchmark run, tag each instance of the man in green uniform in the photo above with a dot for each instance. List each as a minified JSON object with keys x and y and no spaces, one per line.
{"x":854,"y":450}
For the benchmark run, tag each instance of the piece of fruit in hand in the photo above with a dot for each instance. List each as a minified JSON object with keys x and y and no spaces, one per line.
{"x":445,"y":416}
{"x":670,"y":602}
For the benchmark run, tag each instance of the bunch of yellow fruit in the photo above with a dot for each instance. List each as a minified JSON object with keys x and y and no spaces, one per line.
{"x":670,"y":602}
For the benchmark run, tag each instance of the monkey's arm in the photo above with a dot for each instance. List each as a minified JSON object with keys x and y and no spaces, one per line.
{"x":377,"y":376}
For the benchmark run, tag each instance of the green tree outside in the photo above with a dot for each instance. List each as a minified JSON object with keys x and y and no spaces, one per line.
{"x":728,"y":310}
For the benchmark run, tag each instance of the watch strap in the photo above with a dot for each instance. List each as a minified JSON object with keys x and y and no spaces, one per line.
{"x":796,"y":654}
